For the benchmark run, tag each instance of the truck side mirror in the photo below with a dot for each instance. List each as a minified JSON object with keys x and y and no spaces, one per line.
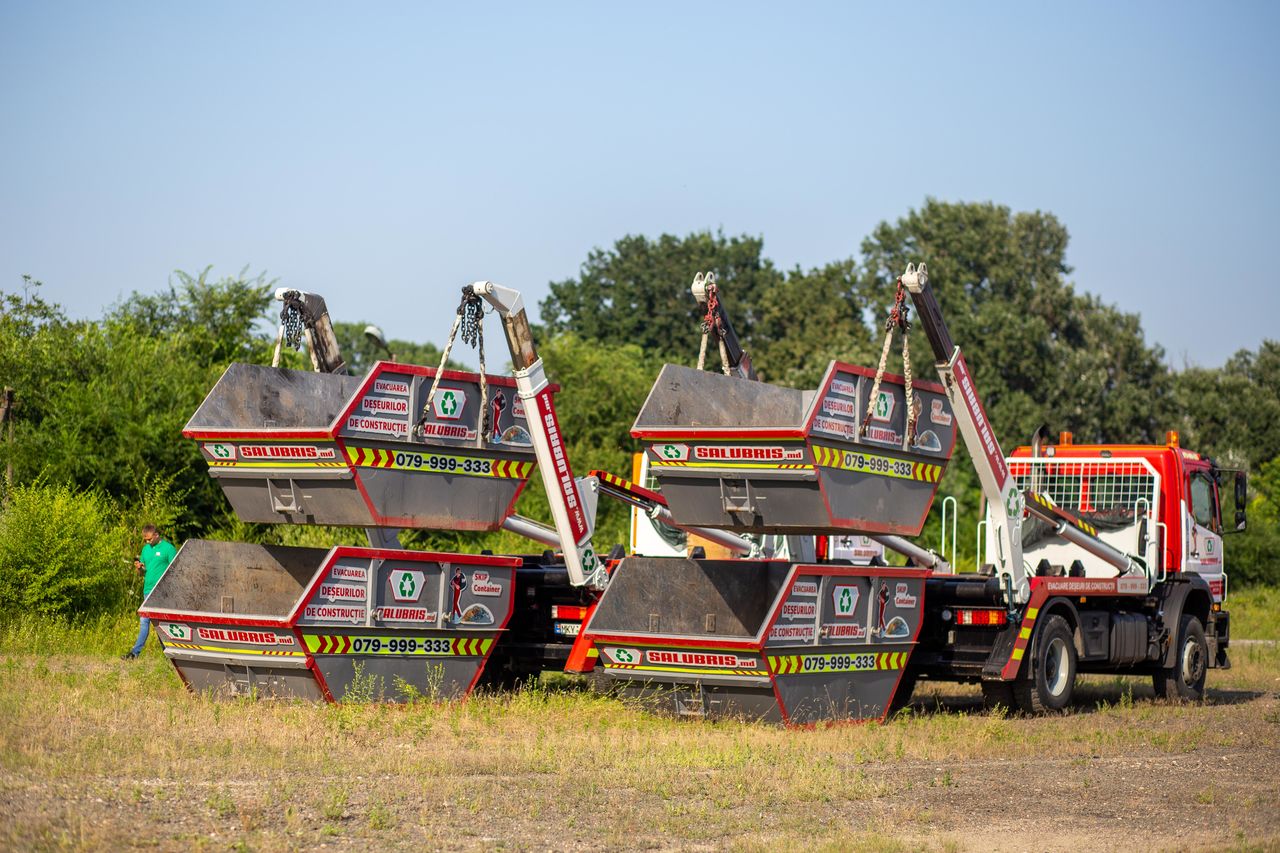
{"x":1242,"y":497}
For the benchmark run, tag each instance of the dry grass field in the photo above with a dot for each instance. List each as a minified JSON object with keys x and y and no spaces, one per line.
{"x":96,"y":753}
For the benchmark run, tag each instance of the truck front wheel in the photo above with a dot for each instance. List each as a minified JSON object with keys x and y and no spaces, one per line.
{"x":1050,"y":676}
{"x":1185,"y":679}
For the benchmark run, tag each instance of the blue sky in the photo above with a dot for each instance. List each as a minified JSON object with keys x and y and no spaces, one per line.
{"x":383,"y":154}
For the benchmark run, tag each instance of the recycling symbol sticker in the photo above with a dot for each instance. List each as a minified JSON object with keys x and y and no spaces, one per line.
{"x":406,"y":585}
{"x":1013,"y":504}
{"x":449,"y":403}
{"x":672,"y":451}
{"x":845,"y":599}
{"x":178,"y":632}
{"x":625,"y":655}
{"x":883,"y":409}
{"x":221,"y":451}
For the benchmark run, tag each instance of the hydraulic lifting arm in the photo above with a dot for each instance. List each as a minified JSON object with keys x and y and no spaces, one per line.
{"x":717,"y":324}
{"x":572,"y":508}
{"x":1006,"y":501}
{"x":573,"y":500}
{"x":998,"y":486}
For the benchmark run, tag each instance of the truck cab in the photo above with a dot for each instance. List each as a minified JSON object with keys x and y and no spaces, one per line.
{"x":1159,"y":503}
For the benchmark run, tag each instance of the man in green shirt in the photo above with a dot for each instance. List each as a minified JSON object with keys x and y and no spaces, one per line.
{"x":156,"y":556}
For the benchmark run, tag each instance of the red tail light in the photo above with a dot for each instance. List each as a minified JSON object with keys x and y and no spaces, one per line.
{"x":565,"y":611}
{"x":983,"y":616}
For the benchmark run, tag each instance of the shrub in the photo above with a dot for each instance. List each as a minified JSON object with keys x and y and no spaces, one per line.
{"x":61,"y":552}
{"x":1253,"y":557}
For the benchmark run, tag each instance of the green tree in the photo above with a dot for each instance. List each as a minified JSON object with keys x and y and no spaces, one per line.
{"x":805,"y":322}
{"x":1040,"y":352}
{"x":638,"y":291}
{"x":1233,"y":412}
{"x":212,"y":323}
{"x":360,"y":352}
{"x":101,"y":406}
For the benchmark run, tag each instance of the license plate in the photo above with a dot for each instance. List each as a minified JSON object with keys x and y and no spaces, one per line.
{"x":568,"y":629}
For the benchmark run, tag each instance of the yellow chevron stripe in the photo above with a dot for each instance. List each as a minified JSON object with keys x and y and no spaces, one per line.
{"x":870,"y":463}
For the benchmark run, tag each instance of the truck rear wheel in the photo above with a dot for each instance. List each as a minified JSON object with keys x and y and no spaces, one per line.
{"x":1050,"y":676}
{"x":1185,"y":679}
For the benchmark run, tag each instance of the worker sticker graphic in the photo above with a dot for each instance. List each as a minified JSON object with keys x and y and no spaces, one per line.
{"x":896,"y":628}
{"x":496,"y":409}
{"x":457,"y":584}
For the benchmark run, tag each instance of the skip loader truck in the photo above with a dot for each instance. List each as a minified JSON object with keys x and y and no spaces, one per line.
{"x":1095,"y":558}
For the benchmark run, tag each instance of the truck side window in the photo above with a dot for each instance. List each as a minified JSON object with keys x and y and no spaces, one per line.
{"x":1202,"y":500}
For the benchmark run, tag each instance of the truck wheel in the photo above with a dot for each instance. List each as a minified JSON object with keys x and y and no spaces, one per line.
{"x":1185,"y":679}
{"x":1050,"y":675}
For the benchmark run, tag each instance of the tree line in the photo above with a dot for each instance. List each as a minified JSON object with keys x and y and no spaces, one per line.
{"x":100,"y":404}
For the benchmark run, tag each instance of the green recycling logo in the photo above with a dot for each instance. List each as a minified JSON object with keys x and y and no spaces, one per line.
{"x":625,"y":656}
{"x":845,"y":599}
{"x":883,"y":409}
{"x":406,"y":585}
{"x":221,"y":451}
{"x":672,"y":451}
{"x":449,"y":403}
{"x":1013,"y":504}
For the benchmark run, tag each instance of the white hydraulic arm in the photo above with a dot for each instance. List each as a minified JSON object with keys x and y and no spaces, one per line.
{"x":573,"y":500}
{"x":998,"y":486}
{"x":573,"y":508}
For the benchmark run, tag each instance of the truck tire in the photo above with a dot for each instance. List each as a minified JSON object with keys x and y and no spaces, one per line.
{"x":1050,"y":675}
{"x":1184,"y":681}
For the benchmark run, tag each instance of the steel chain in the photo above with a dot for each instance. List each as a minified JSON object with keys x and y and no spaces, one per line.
{"x":711,"y":322}
{"x":899,"y":318}
{"x":470,"y":320}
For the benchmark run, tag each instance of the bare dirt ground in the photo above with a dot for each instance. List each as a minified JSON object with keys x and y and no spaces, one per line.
{"x":104,"y":755}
